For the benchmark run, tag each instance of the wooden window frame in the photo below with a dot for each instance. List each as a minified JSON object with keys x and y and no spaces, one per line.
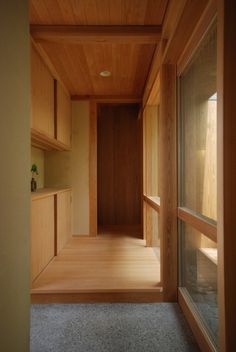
{"x":198,"y":221}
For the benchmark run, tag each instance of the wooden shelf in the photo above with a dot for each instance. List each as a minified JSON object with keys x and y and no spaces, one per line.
{"x":47,"y":192}
{"x":42,"y":141}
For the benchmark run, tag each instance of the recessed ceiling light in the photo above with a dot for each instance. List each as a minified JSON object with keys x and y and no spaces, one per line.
{"x":105,"y":73}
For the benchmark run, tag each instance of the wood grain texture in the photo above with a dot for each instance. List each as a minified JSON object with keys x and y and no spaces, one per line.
{"x":176,"y":31}
{"x":226,"y":187}
{"x":97,"y":12}
{"x":200,"y":29}
{"x":63,"y":218}
{"x":184,"y":28}
{"x":111,"y":99}
{"x":119,"y":165}
{"x":154,"y":202}
{"x":42,"y":234}
{"x":168,"y":181}
{"x":151,"y":149}
{"x":47,"y":61}
{"x":93,"y":197}
{"x":63,"y":116}
{"x":199,"y":223}
{"x":128,"y":64}
{"x":64,"y":34}
{"x":195,"y":324}
{"x":42,"y":141}
{"x":42,"y":96}
{"x":107,"y":263}
{"x":102,"y":297}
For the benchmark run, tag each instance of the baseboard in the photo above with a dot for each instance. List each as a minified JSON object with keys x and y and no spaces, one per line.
{"x":95,"y":297}
{"x":135,"y":229}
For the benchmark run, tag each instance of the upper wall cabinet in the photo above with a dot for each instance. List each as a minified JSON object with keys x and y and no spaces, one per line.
{"x":42,"y":97}
{"x":63,"y":116}
{"x":50,"y":108}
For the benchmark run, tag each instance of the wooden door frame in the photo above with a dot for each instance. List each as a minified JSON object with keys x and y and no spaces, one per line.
{"x":93,"y":216}
{"x":93,"y":178}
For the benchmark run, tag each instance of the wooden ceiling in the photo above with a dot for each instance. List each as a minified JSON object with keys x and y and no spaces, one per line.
{"x":84,"y":37}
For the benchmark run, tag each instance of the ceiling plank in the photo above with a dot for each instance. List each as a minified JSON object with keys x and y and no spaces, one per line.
{"x":70,"y":34}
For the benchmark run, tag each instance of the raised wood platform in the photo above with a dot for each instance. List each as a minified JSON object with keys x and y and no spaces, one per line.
{"x":105,"y":268}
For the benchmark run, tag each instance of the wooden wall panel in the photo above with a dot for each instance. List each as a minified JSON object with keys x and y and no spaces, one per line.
{"x":168,"y":181}
{"x":42,"y":234}
{"x":119,"y":165}
{"x":226,"y":177}
{"x":63,"y":116}
{"x":151,"y":118}
{"x":64,"y":230}
{"x":42,"y":96}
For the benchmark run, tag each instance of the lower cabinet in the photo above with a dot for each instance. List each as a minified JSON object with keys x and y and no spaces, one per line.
{"x":50,"y":227}
{"x":42,"y":234}
{"x":63,"y":219}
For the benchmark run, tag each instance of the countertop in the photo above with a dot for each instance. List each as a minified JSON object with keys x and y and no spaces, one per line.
{"x":46,"y":192}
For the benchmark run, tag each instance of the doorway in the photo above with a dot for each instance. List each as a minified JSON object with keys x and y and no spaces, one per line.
{"x":119,"y":165}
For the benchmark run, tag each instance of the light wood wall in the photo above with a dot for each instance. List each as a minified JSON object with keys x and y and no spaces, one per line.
{"x":151,"y":150}
{"x":71,"y":168}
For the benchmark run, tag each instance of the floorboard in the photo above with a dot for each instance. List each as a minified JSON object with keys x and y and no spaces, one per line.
{"x":109,"y":263}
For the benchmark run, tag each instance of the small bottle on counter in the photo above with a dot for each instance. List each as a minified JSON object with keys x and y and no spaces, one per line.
{"x":33,"y":185}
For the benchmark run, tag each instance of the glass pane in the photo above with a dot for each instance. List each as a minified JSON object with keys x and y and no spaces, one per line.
{"x":199,"y":275}
{"x":198,"y":103}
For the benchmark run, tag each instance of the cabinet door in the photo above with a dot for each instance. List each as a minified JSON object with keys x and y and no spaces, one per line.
{"x":63,"y":219}
{"x":42,"y":234}
{"x":63,"y":116}
{"x":42,"y":96}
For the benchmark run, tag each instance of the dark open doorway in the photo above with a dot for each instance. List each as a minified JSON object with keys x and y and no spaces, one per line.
{"x":119,"y":159}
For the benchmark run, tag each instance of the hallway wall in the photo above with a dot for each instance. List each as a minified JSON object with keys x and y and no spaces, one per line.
{"x":72,"y":168}
{"x":15,"y":180}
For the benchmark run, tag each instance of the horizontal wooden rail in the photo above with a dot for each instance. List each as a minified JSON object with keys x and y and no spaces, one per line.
{"x":75,"y":34}
{"x":154,"y":202}
{"x":198,"y":222}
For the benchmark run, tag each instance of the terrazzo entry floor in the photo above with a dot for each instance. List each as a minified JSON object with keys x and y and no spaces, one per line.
{"x":110,"y":327}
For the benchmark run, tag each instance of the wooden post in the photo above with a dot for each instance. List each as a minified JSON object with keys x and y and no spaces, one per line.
{"x":168,"y":181}
{"x":93,"y":169}
{"x":226,"y":188}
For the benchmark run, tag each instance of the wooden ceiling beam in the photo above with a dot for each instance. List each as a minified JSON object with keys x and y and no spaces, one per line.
{"x":177,"y":29}
{"x":70,"y":34}
{"x":126,"y":99}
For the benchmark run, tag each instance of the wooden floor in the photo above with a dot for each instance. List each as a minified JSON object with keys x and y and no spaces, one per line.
{"x":104,"y":264}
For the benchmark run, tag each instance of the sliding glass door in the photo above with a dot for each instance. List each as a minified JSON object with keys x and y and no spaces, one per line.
{"x":198,"y":183}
